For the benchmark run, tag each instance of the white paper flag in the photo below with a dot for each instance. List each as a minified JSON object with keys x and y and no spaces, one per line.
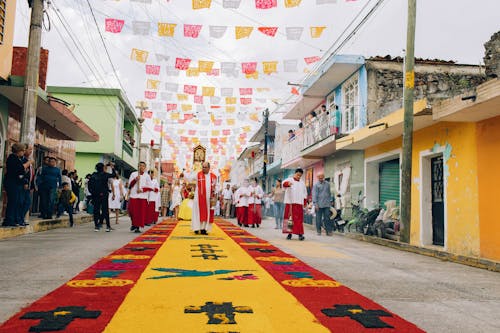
{"x":226,"y":92}
{"x":162,"y":116}
{"x":290,"y":65}
{"x":156,"y":106}
{"x":162,"y":57}
{"x":217,"y":31}
{"x":141,"y":1}
{"x":173,"y":87}
{"x":167,"y":97}
{"x":324,"y":2}
{"x":200,"y":108}
{"x":294,"y":33}
{"x":141,"y":28}
{"x":172,"y":71}
{"x":231,"y":4}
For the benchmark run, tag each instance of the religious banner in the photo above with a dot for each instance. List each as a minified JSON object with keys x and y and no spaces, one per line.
{"x":269,"y":31}
{"x":198,"y":99}
{"x":166,"y":29}
{"x":205,"y":66}
{"x":139,"y":55}
{"x":171,"y":107}
{"x":254,"y":116}
{"x":190,"y":89}
{"x":217,"y":31}
{"x":261,"y":100}
{"x":192,"y":30}
{"x":152,"y":69}
{"x":269,"y":67}
{"x":182,"y":63}
{"x":292,"y":3}
{"x":192,"y":71}
{"x":266,"y":4}
{"x":226,"y":92}
{"x":234,"y":4}
{"x":172,"y":71}
{"x":200,"y":4}
{"x":182,"y":97}
{"x":245,"y":101}
{"x":290,"y":66}
{"x":141,"y":28}
{"x":173,"y":87}
{"x":208,"y":91}
{"x":248,"y":67}
{"x":317,"y":31}
{"x":113,"y":25}
{"x":294,"y":33}
{"x":150,"y":94}
{"x":310,"y":60}
{"x":243,"y":32}
{"x":153,"y":84}
{"x":231,"y":100}
{"x":162,"y":57}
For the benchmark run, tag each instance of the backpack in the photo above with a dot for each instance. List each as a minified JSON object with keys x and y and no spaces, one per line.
{"x":98,"y":183}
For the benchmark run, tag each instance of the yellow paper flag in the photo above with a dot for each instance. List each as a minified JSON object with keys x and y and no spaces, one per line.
{"x":247,"y":129}
{"x":166,"y":29}
{"x":208,"y":91}
{"x":186,"y":107}
{"x":182,"y":97}
{"x":231,"y":100}
{"x":230,"y":121}
{"x":205,"y":66}
{"x":230,"y":109}
{"x":139,"y":55}
{"x":292,"y":3}
{"x":175,"y":115}
{"x":196,"y":121}
{"x":192,"y":71}
{"x":254,"y":75}
{"x":215,"y":133}
{"x":270,"y":67}
{"x":317,"y":31}
{"x":254,"y":116}
{"x":263,"y":89}
{"x":243,"y":32}
{"x":199,"y":4}
{"x":153,"y":84}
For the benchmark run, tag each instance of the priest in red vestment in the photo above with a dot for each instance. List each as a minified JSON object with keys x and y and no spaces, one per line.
{"x":295,"y":200}
{"x":139,"y":187}
{"x":205,"y":198}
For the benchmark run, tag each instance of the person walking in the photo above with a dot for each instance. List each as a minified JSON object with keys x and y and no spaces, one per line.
{"x":278,"y":194}
{"x":322,"y":197}
{"x":241,"y":197}
{"x":295,"y":200}
{"x":99,"y":188}
{"x":176,"y":199}
{"x":48,"y":181}
{"x":255,"y":204}
{"x":115,"y":200}
{"x":205,"y":198}
{"x":14,"y":183}
{"x":165,"y":199}
{"x":227,"y":196}
{"x":66,"y":200}
{"x":153,"y":199}
{"x":139,"y":186}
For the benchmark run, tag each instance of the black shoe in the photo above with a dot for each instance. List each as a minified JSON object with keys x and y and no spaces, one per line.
{"x":289,"y":236}
{"x":204,"y":232}
{"x":253,"y":225}
{"x":137,"y":231}
{"x":246,"y":225}
{"x":258,"y":225}
{"x":301,"y":237}
{"x":196,"y":232}
{"x":132,"y":228}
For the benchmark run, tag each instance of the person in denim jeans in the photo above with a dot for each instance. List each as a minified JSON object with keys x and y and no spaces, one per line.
{"x":278,"y":195}
{"x":321,"y":199}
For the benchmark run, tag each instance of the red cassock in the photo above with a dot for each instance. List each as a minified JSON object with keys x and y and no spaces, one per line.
{"x":297,"y":213}
{"x":138,"y":211}
{"x":254,"y":213}
{"x":152,"y":214}
{"x":295,"y":199}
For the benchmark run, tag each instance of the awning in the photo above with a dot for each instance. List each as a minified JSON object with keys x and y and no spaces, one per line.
{"x":305,"y":105}
{"x":54,"y":114}
{"x":387,"y":128}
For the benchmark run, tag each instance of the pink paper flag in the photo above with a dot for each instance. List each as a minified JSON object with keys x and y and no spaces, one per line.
{"x":217,"y":122}
{"x":270,"y":31}
{"x":153,"y":69}
{"x":226,"y":132}
{"x":246,"y":91}
{"x":157,"y":128}
{"x":188,"y":116}
{"x":150,"y":94}
{"x":114,"y":25}
{"x":192,"y":132}
{"x":147,"y":114}
{"x":198,"y":99}
{"x":245,"y":101}
{"x":171,"y":107}
{"x":190,"y":89}
{"x":249,"y":67}
{"x":214,"y":72}
{"x":310,"y":60}
{"x":266,"y":4}
{"x":182,"y":64}
{"x":192,"y":30}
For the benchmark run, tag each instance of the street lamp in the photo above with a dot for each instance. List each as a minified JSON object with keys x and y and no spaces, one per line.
{"x":142,"y":106}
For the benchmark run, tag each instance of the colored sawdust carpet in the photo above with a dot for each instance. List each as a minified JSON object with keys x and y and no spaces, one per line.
{"x":171,"y":280}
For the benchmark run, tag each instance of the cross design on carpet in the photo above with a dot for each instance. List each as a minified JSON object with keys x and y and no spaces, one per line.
{"x":367,"y":318}
{"x":207,"y":252}
{"x":59,"y":318}
{"x":218,"y":312}
{"x":177,"y":272}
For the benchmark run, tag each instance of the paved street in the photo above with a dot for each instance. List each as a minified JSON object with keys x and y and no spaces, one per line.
{"x":437,"y":296}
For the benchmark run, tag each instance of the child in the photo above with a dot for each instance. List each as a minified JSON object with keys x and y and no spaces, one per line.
{"x":66,"y":200}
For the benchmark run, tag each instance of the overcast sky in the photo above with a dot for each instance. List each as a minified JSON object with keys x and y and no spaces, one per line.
{"x":446,"y":29}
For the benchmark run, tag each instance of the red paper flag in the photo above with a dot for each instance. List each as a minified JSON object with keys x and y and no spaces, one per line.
{"x":214,"y":72}
{"x":214,"y":141}
{"x":198,"y":99}
{"x":190,"y":89}
{"x":147,"y":114}
{"x":153,"y":69}
{"x":310,"y":60}
{"x":266,"y":4}
{"x":150,"y":94}
{"x":113,"y":25}
{"x":215,"y":106}
{"x":188,"y":116}
{"x":249,"y":67}
{"x":157,"y":128}
{"x":181,"y":121}
{"x":171,"y":107}
{"x":182,"y":64}
{"x":246,"y":91}
{"x":295,"y":91}
{"x":184,"y":139}
{"x":192,"y":30}
{"x":192,"y":132}
{"x":269,"y":31}
{"x":245,"y":101}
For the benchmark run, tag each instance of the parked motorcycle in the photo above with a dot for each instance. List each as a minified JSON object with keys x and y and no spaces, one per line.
{"x":387,"y":222}
{"x":336,"y":215}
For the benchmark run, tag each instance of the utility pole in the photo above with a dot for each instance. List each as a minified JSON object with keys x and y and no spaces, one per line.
{"x":161,"y":149}
{"x":409,"y":84}
{"x":142,"y":106}
{"x":28,"y":115}
{"x":264,"y":166}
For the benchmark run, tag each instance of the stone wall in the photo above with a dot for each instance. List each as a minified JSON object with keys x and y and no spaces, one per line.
{"x":492,"y":56}
{"x":433,"y":80}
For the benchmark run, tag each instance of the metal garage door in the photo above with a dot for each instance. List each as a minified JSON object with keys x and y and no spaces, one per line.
{"x":389,"y":183}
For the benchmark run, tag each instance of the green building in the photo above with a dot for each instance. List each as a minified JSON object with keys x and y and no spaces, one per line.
{"x":109,"y":113}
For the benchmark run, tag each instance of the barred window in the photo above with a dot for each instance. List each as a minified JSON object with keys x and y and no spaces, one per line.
{"x":3,"y":17}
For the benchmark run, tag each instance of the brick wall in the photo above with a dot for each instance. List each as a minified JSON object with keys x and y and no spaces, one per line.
{"x":19,"y":64}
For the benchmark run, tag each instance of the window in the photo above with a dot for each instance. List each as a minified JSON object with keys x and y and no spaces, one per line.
{"x":351,"y":104}
{"x":3,"y":17}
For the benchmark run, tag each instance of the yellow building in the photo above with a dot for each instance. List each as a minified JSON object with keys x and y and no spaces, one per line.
{"x":456,"y":152}
{"x":7,"y":16}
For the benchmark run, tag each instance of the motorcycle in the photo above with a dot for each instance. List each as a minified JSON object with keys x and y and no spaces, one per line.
{"x":336,"y":215}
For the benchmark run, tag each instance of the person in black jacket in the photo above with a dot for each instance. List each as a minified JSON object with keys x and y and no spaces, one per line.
{"x":14,"y":182}
{"x":99,"y":189}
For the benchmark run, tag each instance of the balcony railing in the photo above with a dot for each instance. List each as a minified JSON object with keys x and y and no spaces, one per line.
{"x":127,"y":148}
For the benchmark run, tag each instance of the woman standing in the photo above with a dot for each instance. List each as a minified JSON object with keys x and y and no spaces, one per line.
{"x":165,"y":199}
{"x":115,"y":199}
{"x":176,"y":199}
{"x":278,"y":195}
{"x":14,"y":182}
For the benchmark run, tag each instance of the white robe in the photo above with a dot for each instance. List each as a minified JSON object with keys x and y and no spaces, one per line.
{"x":196,"y":224}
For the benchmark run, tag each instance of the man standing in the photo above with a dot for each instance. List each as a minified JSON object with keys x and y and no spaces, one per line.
{"x":321,"y":196}
{"x":29,"y":176}
{"x":139,"y":186}
{"x":205,"y":198}
{"x":48,"y":181}
{"x":227,"y":195}
{"x":295,"y":200}
{"x":99,"y":188}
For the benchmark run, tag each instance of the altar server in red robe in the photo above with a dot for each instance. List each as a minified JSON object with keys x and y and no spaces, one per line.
{"x":295,"y":200}
{"x":140,"y":186}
